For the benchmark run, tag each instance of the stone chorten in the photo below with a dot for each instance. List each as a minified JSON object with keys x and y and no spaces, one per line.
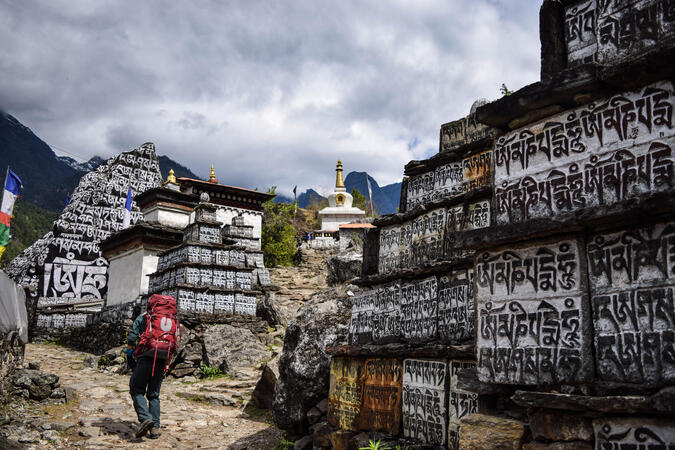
{"x":339,"y":210}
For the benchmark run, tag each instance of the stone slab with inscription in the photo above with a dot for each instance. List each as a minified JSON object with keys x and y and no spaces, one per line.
{"x":465,"y":131}
{"x":419,"y":310}
{"x":634,"y":433}
{"x":345,"y":392}
{"x":462,"y":402}
{"x":533,"y":314}
{"x":608,"y":151}
{"x":450,"y":180}
{"x":610,"y":31}
{"x":632,"y":280}
{"x":456,"y":312}
{"x":381,"y":407}
{"x":69,"y":267}
{"x":424,"y":401}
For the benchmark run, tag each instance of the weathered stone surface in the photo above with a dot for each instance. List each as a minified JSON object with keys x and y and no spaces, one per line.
{"x":93,"y":214}
{"x":58,"y":393}
{"x":402,"y":350}
{"x":465,"y":131}
{"x":232,"y":349}
{"x":314,"y":415}
{"x":549,"y":424}
{"x":304,"y":365}
{"x":632,"y":279}
{"x":345,"y":393}
{"x":479,"y":431}
{"x":462,"y":402}
{"x":415,"y":240}
{"x":263,"y":394}
{"x":395,"y":311}
{"x":381,"y":407}
{"x":662,"y":401}
{"x":607,"y":32}
{"x":507,"y":288}
{"x":576,"y":445}
{"x":40,"y":392}
{"x":341,"y":440}
{"x":268,"y":310}
{"x":541,"y":172}
{"x":424,"y":401}
{"x":344,"y":267}
{"x":634,"y":432}
{"x":91,"y":361}
{"x":304,"y":443}
{"x":321,"y":435}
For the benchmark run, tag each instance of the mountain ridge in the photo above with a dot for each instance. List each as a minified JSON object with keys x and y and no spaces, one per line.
{"x":48,"y":178}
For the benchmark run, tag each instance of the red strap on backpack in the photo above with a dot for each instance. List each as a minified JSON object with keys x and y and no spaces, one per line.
{"x":160,"y":330}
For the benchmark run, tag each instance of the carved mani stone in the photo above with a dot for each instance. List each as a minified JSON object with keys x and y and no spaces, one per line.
{"x":597,"y":155}
{"x":345,"y":392}
{"x":381,"y":407}
{"x":462,"y":402}
{"x":533,"y":315}
{"x":634,"y":432}
{"x":424,"y":401}
{"x":632,"y":279}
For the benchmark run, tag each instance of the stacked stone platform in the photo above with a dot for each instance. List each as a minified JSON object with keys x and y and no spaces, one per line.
{"x":212,"y":271}
{"x":523,"y":297}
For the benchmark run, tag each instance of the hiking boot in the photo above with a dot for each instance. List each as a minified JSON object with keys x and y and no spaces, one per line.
{"x":143,"y":428}
{"x":155,"y":433}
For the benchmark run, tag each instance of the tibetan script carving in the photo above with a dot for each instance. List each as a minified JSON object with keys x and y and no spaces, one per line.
{"x":462,"y":403}
{"x":424,"y":403}
{"x":345,"y":392}
{"x":463,"y":132}
{"x":419,"y":310}
{"x":632,"y":277}
{"x":599,"y":154}
{"x":634,"y":433}
{"x":533,"y":316}
{"x":450,"y":180}
{"x":456,"y":306}
{"x":381,"y":407}
{"x":607,"y":31}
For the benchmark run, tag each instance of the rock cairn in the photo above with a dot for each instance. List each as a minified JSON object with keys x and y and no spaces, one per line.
{"x":65,"y":272}
{"x":523,"y":296}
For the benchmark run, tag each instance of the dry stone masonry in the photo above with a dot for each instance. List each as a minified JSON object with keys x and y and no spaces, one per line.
{"x":65,"y":270}
{"x":213,"y":271}
{"x":523,"y":295}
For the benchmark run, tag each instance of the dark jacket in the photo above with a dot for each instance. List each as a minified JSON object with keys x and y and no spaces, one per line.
{"x":136,"y":330}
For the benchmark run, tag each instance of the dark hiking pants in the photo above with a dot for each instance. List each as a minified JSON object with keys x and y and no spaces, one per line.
{"x":142,"y":384}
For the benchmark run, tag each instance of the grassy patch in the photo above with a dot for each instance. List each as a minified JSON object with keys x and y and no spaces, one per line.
{"x":210,"y":373}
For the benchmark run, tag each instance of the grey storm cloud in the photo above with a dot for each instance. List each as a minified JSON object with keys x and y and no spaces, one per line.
{"x":269,"y":92}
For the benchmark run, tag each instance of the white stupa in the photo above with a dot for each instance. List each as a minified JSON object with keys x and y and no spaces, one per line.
{"x":339,"y":210}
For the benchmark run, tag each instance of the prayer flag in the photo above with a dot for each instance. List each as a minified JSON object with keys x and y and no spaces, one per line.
{"x":9,"y":196}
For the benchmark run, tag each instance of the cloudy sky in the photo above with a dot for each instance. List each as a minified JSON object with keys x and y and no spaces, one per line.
{"x":269,"y":92}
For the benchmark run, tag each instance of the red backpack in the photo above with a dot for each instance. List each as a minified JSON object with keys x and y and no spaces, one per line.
{"x":161,"y":327}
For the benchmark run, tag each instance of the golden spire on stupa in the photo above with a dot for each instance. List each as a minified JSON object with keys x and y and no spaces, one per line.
{"x":339,"y":183}
{"x":212,"y":177}
{"x":170,"y":179}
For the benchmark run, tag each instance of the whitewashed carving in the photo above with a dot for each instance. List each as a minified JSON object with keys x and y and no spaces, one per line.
{"x":599,"y":154}
{"x":533,"y":316}
{"x":424,"y":400}
{"x":632,"y":278}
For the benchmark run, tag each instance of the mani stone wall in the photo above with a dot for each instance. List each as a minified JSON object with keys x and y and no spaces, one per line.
{"x":412,"y":328}
{"x":523,"y":297}
{"x":215,"y":270}
{"x":65,"y":271}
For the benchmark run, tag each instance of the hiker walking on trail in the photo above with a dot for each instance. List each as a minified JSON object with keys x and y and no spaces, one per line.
{"x":156,"y":332}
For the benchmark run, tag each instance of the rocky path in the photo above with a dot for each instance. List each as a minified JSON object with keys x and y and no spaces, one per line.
{"x":197,"y":414}
{"x":298,"y":283}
